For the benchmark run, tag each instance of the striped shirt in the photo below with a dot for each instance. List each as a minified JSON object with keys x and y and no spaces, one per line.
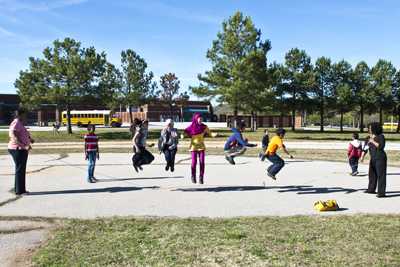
{"x":91,"y":142}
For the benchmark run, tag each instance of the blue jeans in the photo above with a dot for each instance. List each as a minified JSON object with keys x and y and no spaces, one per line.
{"x":353,"y":164}
{"x":92,"y":163}
{"x":277,"y":164}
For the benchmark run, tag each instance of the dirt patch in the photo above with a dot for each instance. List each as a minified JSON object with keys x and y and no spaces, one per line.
{"x":19,"y":239}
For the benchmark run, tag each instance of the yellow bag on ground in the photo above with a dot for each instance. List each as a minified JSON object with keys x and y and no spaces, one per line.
{"x":329,"y":205}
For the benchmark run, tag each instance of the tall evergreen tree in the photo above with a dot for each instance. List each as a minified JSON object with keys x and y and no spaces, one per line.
{"x":234,"y":55}
{"x":342,"y":90}
{"x":298,"y":80}
{"x":323,"y":85}
{"x":361,"y":87}
{"x":383,"y":81}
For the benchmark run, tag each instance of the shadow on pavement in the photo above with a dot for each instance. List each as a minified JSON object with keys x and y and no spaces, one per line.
{"x":139,"y":178}
{"x":300,"y":189}
{"x":94,"y":190}
{"x":393,"y":194}
{"x":222,"y":189}
{"x":309,"y":189}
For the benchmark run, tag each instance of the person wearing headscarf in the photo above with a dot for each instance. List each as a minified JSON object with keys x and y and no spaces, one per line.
{"x":196,"y":131}
{"x":142,"y":156}
{"x":168,"y":144}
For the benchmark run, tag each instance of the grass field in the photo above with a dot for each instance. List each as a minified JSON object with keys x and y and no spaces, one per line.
{"x":372,"y":240}
{"x":124,"y":135}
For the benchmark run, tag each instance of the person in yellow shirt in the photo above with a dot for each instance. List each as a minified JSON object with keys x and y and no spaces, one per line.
{"x":277,"y":162}
{"x":197,"y":130}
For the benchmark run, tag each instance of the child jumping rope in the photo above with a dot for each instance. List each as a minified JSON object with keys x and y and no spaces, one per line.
{"x":142,"y":156}
{"x":264,"y":144}
{"x":273,"y":146}
{"x":91,"y":152}
{"x":168,"y":144}
{"x":196,"y":131}
{"x":236,"y":145}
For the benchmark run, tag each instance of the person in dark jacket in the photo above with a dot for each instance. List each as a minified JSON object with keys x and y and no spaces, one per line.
{"x":142,"y":156}
{"x":168,"y":144}
{"x":378,"y":160}
{"x":236,"y":144}
{"x":264,"y":144}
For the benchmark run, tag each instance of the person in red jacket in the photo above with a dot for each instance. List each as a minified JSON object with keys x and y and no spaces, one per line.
{"x":354,"y":153}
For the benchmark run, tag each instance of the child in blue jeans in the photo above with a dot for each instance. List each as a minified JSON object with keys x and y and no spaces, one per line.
{"x":354,"y":153}
{"x":91,"y":152}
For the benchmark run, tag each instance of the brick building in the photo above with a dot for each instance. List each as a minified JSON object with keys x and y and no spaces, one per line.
{"x":155,"y":111}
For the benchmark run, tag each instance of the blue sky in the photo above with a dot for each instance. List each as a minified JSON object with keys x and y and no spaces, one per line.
{"x":173,"y":36}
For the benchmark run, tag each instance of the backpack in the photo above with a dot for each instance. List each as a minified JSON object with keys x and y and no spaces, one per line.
{"x":356,"y":151}
{"x":329,"y":205}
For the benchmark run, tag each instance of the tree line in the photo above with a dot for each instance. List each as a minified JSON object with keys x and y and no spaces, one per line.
{"x":242,"y":78}
{"x":68,"y":75}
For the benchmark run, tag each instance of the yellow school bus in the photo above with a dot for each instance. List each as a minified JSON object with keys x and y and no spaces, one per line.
{"x":95,"y":117}
{"x":391,"y":126}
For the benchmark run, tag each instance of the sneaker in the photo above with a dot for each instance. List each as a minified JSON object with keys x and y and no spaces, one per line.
{"x":355,"y":173}
{"x":172,"y":169}
{"x":230,"y":160}
{"x":271,"y":175}
{"x":90,"y":180}
{"x":380,"y":195}
{"x":201,"y":180}
{"x":194,"y":180}
{"x":140,"y":168}
{"x":369,"y":192}
{"x":167,"y":168}
{"x":94,"y":179}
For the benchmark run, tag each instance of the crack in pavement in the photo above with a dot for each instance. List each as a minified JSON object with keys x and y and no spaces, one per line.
{"x":21,"y":230}
{"x":8,"y":201}
{"x":60,"y":157}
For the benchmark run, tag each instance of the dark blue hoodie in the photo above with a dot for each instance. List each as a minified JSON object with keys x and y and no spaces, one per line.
{"x":237,"y":138}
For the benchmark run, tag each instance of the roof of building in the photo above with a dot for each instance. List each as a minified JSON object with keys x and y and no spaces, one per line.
{"x":9,"y":99}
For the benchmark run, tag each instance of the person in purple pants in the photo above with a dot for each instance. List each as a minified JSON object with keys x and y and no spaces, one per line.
{"x":196,"y":131}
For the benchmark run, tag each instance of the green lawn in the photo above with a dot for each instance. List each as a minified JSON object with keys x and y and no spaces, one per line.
{"x":124,"y":135}
{"x":271,"y":241}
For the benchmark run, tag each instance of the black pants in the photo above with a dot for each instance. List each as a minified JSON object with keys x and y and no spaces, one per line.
{"x":143,"y":157}
{"x":377,"y":176}
{"x":353,"y":164}
{"x":170,"y":157}
{"x":20,"y":158}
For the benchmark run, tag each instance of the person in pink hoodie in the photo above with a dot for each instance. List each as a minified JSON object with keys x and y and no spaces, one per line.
{"x":354,"y":153}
